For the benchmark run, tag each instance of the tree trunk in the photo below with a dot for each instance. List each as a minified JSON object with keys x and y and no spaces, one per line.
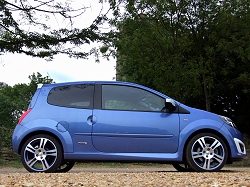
{"x":207,"y":92}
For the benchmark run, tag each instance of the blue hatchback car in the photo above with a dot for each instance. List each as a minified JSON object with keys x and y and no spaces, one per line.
{"x":124,"y":122}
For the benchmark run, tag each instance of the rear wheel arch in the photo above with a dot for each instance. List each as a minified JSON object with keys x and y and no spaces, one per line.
{"x":35,"y":133}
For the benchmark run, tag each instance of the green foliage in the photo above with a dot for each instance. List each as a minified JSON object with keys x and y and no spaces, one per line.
{"x":151,"y":52}
{"x":40,"y":39}
{"x":194,"y":51}
{"x":13,"y":102}
{"x":6,"y":111}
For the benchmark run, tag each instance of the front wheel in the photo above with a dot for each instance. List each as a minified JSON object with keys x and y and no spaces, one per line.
{"x":206,"y":152}
{"x":41,"y":153}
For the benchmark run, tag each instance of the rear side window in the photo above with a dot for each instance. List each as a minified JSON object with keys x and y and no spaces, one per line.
{"x":72,"y":96}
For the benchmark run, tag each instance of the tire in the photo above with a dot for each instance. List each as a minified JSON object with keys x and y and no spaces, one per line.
{"x":206,"y":152}
{"x":182,"y":167}
{"x":65,"y":167}
{"x":41,"y":153}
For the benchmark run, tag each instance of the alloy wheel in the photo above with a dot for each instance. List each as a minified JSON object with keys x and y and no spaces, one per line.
{"x":206,"y":152}
{"x":41,"y":153}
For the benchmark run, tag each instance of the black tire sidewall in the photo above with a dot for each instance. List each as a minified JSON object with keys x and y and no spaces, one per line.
{"x":69,"y":166}
{"x":59,"y":157}
{"x":181,"y":168}
{"x":190,"y":160}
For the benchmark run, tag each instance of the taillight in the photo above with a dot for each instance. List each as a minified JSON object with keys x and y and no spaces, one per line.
{"x":23,"y":115}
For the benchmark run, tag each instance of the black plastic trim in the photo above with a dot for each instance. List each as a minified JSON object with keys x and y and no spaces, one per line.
{"x":98,"y":96}
{"x":183,"y":110}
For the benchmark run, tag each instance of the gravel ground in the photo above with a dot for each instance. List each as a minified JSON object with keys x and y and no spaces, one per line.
{"x":141,"y":176}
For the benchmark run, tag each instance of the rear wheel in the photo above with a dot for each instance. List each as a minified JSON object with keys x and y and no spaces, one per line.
{"x":41,"y":153}
{"x":65,"y":166}
{"x":182,"y":167}
{"x":206,"y":152}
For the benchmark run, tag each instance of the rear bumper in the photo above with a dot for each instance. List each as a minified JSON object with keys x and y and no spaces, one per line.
{"x":17,"y":137}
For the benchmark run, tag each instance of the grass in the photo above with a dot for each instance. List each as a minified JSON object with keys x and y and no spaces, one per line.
{"x":17,"y":164}
{"x":10,"y":163}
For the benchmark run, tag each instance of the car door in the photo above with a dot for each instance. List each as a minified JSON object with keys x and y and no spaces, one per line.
{"x":133,"y":120}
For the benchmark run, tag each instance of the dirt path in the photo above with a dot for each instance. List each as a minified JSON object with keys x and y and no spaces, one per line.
{"x":137,"y":176}
{"x":9,"y":170}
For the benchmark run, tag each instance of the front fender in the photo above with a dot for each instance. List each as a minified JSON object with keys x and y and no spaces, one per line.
{"x":195,"y":126}
{"x":47,"y":126}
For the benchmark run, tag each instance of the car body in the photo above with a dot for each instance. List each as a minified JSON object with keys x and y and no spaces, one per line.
{"x":124,"y":122}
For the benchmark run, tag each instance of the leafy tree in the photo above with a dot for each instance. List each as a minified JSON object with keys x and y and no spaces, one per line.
{"x":36,"y":79}
{"x":21,"y":20}
{"x":6,"y":111}
{"x":19,"y":96}
{"x":194,"y":51}
{"x":6,"y":121}
{"x":152,"y":48}
{"x":13,"y":102}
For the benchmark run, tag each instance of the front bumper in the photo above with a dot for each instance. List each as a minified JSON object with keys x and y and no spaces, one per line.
{"x":236,"y":144}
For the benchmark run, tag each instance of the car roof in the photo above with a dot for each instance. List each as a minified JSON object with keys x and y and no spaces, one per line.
{"x":90,"y":82}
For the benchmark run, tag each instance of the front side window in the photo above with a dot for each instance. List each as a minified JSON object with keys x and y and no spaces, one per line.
{"x":72,"y":96}
{"x":116,"y":97}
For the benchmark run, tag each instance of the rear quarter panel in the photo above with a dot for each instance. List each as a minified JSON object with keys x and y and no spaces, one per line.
{"x":48,"y":127}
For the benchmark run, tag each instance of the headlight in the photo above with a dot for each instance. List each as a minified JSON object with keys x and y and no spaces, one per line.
{"x":228,"y":121}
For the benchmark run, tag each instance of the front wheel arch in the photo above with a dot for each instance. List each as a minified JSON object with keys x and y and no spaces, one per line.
{"x":206,"y":152}
{"x":207,"y":131}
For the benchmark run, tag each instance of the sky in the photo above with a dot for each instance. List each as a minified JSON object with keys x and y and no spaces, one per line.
{"x":16,"y":68}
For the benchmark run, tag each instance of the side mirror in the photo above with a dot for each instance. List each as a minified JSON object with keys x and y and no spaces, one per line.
{"x":170,"y":104}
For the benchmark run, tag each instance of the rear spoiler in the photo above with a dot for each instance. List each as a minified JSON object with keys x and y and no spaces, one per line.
{"x":39,"y":86}
{"x":35,"y":96}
